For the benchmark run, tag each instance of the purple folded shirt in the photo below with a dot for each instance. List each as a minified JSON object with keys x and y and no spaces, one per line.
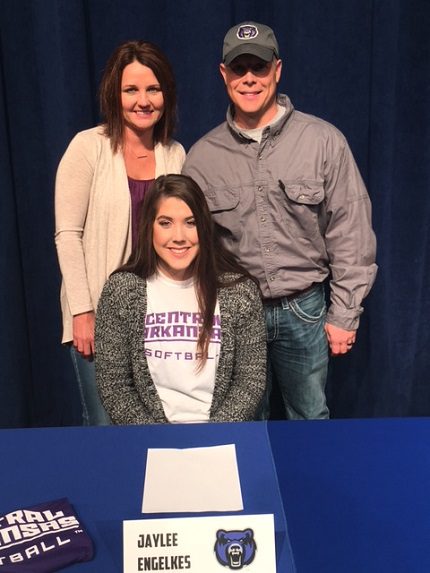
{"x":42,"y":538}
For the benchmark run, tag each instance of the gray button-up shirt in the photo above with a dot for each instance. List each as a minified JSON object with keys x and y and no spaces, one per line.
{"x":293,"y":208}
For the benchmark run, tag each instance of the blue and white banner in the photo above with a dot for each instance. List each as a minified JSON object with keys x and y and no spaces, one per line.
{"x":201,"y":544}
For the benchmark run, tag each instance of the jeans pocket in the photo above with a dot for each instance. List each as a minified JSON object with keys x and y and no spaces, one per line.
{"x":311,"y":308}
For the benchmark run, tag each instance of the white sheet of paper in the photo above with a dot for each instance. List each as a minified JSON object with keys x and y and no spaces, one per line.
{"x":192,"y":480}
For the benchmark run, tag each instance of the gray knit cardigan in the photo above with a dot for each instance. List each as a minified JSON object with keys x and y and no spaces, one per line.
{"x":122,"y":374}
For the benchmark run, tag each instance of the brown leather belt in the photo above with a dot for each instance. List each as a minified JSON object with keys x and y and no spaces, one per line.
{"x":290,"y":297}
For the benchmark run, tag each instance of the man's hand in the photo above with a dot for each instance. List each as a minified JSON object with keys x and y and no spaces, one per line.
{"x":339,"y":340}
{"x":83,"y":333}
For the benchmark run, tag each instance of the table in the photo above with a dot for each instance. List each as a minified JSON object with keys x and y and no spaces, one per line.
{"x":355,"y":492}
{"x":101,"y":471}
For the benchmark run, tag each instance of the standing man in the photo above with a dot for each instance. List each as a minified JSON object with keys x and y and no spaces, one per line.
{"x":288,"y":197}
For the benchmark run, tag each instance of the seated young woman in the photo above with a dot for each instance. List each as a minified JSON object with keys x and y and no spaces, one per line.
{"x":180,"y":331}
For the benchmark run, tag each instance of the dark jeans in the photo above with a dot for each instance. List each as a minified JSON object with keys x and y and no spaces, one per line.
{"x":298,"y":354}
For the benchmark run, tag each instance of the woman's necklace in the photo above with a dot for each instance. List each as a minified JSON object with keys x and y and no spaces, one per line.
{"x":141,"y":155}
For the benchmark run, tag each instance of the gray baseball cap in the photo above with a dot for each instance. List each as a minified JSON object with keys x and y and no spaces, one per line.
{"x":250,"y":38}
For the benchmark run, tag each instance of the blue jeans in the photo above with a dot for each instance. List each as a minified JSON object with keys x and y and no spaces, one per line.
{"x":93,"y":413}
{"x":298,"y":354}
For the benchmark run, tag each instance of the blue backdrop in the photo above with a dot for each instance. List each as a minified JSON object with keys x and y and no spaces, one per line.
{"x":363,"y":65}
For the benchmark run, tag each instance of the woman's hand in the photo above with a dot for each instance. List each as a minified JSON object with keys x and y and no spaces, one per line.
{"x":83,"y":333}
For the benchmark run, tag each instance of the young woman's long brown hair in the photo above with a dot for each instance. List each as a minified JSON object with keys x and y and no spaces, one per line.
{"x":212,"y":261}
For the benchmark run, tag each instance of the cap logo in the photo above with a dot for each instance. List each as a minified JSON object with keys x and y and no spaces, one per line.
{"x":247,"y":32}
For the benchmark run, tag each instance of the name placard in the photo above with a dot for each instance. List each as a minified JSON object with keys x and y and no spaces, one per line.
{"x":200,"y":544}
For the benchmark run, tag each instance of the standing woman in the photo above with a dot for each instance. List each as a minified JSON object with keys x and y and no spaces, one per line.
{"x":180,"y":331}
{"x":101,"y":181}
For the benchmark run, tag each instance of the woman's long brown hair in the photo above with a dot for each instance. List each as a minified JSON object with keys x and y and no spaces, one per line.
{"x":212,"y":261}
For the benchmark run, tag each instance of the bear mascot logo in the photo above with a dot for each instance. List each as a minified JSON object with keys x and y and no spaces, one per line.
{"x":247,"y":32}
{"x":234,"y":549}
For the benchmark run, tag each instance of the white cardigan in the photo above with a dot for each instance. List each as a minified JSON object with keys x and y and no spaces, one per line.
{"x":93,"y":216}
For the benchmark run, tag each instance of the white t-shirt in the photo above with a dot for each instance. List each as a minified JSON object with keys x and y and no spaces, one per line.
{"x":171,"y":331}
{"x":257,"y":132}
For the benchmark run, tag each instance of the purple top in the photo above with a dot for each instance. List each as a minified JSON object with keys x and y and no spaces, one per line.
{"x":138,"y":188}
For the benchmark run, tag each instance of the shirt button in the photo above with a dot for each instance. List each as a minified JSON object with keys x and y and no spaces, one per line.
{"x":267,"y":250}
{"x":260,"y":188}
{"x":263,"y":219}
{"x":272,"y":278}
